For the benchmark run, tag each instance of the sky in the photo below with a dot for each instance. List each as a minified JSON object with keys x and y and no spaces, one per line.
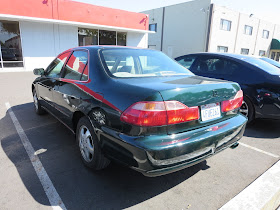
{"x":264,"y":9}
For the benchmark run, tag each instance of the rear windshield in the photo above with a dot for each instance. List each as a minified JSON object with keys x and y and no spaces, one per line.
{"x":140,"y":63}
{"x":263,"y":65}
{"x":273,"y":62}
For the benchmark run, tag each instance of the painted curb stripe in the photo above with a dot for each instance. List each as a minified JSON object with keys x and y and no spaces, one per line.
{"x":46,"y":182}
{"x":260,"y":194}
{"x":259,"y":150}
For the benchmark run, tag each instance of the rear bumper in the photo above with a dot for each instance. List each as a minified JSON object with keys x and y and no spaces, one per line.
{"x":162,"y":154}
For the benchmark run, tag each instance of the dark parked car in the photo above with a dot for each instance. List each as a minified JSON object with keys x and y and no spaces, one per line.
{"x":139,"y":107}
{"x":259,"y":80}
{"x":273,"y":62}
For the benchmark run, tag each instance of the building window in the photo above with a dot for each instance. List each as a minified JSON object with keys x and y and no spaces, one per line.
{"x":262,"y":53}
{"x":265,"y":34}
{"x":244,"y":51}
{"x":10,"y":44}
{"x":248,"y":30}
{"x":153,"y":27}
{"x":153,"y":47}
{"x":121,"y":39}
{"x":101,"y":37}
{"x":107,"y":37}
{"x":225,"y":25}
{"x":87,"y":36}
{"x":222,"y":49}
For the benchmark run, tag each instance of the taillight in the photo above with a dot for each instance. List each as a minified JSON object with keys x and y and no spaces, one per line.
{"x":159,"y":113}
{"x":234,"y":103}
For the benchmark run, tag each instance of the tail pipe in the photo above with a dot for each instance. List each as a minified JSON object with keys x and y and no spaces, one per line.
{"x":234,"y":145}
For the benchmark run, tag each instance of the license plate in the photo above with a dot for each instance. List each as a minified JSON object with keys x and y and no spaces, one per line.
{"x":210,"y":111}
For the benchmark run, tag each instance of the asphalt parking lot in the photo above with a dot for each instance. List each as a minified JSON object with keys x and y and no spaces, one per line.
{"x":208,"y":185}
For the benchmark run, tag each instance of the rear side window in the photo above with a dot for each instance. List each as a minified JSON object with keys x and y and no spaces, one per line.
{"x":186,"y":61}
{"x":216,"y":66}
{"x":55,"y":67}
{"x":76,"y":65}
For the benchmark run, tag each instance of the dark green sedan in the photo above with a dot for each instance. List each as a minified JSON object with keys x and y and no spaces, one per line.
{"x":139,"y":107}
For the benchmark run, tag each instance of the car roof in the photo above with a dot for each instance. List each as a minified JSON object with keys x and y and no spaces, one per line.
{"x":231,"y":55}
{"x":96,"y":47}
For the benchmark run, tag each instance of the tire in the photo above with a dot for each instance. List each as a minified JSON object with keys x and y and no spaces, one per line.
{"x":247,"y":109}
{"x":88,"y":144}
{"x":38,"y":108}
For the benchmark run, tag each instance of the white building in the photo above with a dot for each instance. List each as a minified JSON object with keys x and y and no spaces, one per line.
{"x":199,"y":26}
{"x":32,"y":37}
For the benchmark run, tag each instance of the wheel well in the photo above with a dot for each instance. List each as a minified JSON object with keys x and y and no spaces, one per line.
{"x":76,"y":117}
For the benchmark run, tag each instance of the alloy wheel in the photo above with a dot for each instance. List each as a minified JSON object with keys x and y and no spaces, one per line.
{"x":35,"y":99}
{"x":86,"y":143}
{"x":244,"y":109}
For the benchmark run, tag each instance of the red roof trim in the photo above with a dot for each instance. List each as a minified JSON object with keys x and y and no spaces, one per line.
{"x":67,"y":10}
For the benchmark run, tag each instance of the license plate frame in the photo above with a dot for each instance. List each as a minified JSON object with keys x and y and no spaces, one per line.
{"x":210,"y":111}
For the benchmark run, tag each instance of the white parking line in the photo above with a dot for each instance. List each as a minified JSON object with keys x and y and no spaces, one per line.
{"x":263,"y":193}
{"x":259,"y":150}
{"x":47,"y":184}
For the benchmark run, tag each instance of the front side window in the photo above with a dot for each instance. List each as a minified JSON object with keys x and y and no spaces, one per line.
{"x":186,"y":61}
{"x":55,"y":67}
{"x":222,"y":49}
{"x":244,"y":51}
{"x":153,"y":27}
{"x":140,"y":63}
{"x":248,"y":30}
{"x":225,"y":25}
{"x":265,"y":34}
{"x":75,"y":65}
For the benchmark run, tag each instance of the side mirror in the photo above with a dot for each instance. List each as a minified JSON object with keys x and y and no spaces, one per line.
{"x":39,"y":71}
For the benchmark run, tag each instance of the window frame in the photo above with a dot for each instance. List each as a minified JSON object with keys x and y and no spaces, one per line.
{"x":155,"y":24}
{"x":222,"y":24}
{"x":225,"y":47}
{"x":251,"y":31}
{"x":62,"y":68}
{"x":86,"y":65}
{"x":264,"y":30}
{"x":245,"y":49}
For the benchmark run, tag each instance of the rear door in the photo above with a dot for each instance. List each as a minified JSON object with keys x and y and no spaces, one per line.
{"x":46,"y":85}
{"x":67,"y":91}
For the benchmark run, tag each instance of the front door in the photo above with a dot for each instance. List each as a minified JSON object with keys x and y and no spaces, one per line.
{"x":67,"y":91}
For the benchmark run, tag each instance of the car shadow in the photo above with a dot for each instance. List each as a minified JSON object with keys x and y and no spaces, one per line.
{"x":115,"y":187}
{"x":263,"y":128}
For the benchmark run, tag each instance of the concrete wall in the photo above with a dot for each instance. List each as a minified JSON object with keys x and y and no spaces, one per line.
{"x":243,"y":40}
{"x":137,"y":39}
{"x":155,"y":16}
{"x":185,"y":27}
{"x":262,"y":43}
{"x":220,"y":37}
{"x":42,"y":42}
{"x":235,"y":39}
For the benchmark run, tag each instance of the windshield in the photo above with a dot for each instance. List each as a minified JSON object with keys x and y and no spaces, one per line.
{"x":263,"y":65}
{"x":273,"y":62}
{"x":140,"y":63}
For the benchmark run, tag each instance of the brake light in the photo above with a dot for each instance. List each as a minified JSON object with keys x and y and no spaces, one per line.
{"x":234,"y":103}
{"x":159,"y":113}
